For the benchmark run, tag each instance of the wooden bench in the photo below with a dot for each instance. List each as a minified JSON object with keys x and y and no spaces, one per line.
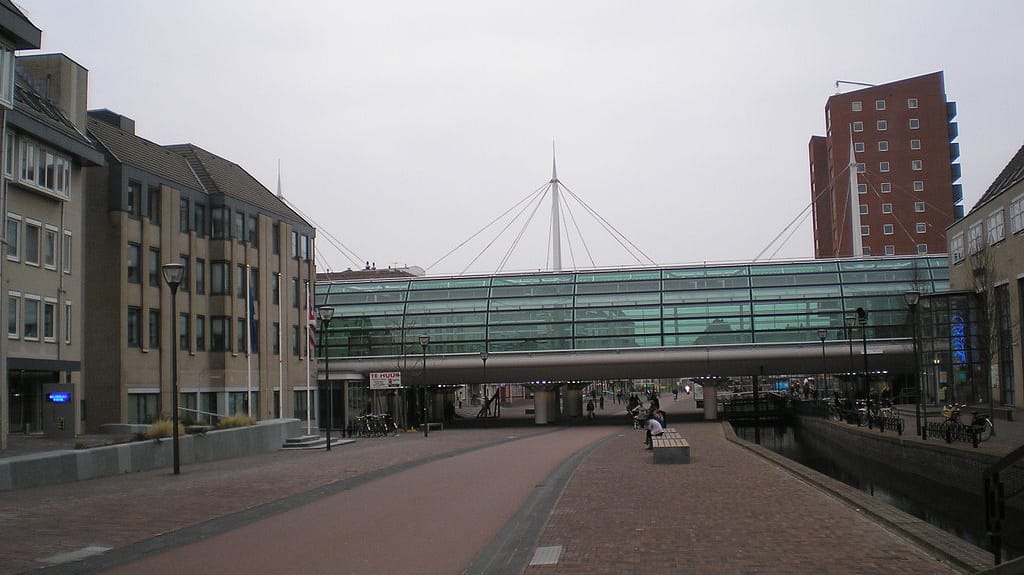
{"x":670,"y":447}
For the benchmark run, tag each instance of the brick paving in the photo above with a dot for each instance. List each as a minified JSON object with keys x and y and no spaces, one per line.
{"x":730,"y":510}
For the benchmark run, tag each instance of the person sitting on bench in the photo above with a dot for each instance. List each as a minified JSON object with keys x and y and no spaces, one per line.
{"x":655,"y":427}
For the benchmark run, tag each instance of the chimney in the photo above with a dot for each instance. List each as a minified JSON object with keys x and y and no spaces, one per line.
{"x":60,"y":80}
{"x":123,"y":123}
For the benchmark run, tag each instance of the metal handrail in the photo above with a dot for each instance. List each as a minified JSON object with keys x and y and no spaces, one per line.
{"x":995,"y":500}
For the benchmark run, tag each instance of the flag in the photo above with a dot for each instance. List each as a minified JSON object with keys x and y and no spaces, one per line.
{"x":311,"y":321}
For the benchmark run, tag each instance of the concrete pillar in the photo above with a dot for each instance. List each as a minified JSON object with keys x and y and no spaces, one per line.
{"x":710,"y":401}
{"x":573,"y":401}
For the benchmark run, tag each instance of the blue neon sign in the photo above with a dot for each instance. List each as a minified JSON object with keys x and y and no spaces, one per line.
{"x":58,"y":396}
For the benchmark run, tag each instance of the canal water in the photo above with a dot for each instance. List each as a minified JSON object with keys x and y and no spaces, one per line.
{"x":958,"y":512}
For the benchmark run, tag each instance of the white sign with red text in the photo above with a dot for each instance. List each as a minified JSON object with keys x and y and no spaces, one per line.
{"x":386,"y":380}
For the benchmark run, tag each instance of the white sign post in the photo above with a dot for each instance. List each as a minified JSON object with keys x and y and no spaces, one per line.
{"x":386,"y":380}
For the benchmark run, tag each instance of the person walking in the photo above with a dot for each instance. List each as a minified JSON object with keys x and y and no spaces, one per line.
{"x":590,"y":409}
{"x":600,"y":402}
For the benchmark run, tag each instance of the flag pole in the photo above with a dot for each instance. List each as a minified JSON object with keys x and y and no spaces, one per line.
{"x":309,"y":390}
{"x":280,"y":349}
{"x":248,"y":341}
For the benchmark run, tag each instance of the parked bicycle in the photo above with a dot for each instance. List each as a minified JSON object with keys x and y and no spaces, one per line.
{"x":954,"y":428}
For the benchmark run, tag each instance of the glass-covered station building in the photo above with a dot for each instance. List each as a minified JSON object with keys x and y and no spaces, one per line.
{"x":686,"y":321}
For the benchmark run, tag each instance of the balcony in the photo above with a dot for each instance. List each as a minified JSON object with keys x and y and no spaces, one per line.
{"x":958,"y":193}
{"x":954,"y":151}
{"x":955,"y":171}
{"x":958,"y":212}
{"x":950,"y":111}
{"x":953,"y":131}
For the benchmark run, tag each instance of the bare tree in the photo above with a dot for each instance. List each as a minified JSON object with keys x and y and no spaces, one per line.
{"x":995,"y":326}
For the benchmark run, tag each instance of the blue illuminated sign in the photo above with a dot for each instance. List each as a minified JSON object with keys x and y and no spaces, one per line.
{"x":958,"y":340}
{"x":58,"y":396}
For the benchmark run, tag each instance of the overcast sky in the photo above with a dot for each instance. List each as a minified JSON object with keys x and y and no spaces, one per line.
{"x":403,"y":128}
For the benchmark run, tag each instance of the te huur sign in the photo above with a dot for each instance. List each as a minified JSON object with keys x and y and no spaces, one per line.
{"x":386,"y":380}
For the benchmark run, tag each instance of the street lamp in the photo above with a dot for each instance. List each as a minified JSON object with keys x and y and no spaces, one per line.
{"x":912,"y":298}
{"x":850,"y":321}
{"x":424,"y":342}
{"x":326,"y":314}
{"x":483,"y":358}
{"x":862,"y":319}
{"x":173,"y":273}
{"x":822,"y":334}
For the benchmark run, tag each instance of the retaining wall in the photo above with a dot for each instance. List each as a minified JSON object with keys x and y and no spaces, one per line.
{"x":51,"y":467}
{"x":934,"y":461}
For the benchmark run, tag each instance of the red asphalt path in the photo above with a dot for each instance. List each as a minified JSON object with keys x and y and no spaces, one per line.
{"x":430,"y":519}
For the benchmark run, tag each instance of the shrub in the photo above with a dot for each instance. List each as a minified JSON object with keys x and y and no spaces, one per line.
{"x":162,"y":428}
{"x":236,"y":420}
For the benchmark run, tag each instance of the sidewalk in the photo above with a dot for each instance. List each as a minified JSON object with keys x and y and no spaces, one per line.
{"x":736,"y":508}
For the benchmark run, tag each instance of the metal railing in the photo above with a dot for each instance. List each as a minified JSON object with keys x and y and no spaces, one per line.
{"x":996,"y":494}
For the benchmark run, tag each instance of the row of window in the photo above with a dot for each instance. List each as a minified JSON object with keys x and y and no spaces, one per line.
{"x":889,"y":229}
{"x":224,"y":223}
{"x":221,"y":279}
{"x":34,"y":318}
{"x":192,"y":333}
{"x":35,"y":243}
{"x":916,"y":165}
{"x":38,"y":166}
{"x":890,"y":250}
{"x":883,"y":125}
{"x":883,"y":145}
{"x":858,"y":106}
{"x":992,"y":230}
{"x":886,"y":187}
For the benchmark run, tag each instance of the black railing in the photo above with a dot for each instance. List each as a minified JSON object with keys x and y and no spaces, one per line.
{"x":952,"y":431}
{"x":996,"y":495}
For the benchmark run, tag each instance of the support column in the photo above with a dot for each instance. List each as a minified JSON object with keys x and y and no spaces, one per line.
{"x":545,"y":403}
{"x":710,"y":401}
{"x":574,"y":399}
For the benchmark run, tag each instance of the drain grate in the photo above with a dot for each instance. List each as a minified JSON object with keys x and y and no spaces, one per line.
{"x":546,"y":555}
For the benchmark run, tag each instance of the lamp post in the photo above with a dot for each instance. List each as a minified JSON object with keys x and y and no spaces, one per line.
{"x":936,"y":362}
{"x":483,"y":358}
{"x":862,"y":319}
{"x":326,"y":314}
{"x":912,"y":298}
{"x":850,"y":321}
{"x":173,"y":273}
{"x":424,"y":342}
{"x":822,"y":334}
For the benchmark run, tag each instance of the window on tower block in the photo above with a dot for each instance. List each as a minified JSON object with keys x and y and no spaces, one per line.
{"x":879,"y":105}
{"x":858,"y":126}
{"x":856,"y":106}
{"x":912,"y":103}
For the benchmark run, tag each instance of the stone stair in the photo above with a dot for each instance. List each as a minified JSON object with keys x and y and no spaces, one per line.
{"x":313,"y":442}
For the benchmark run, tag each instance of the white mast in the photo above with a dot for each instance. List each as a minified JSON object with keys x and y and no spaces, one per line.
{"x":857,"y":241}
{"x":556,"y":233}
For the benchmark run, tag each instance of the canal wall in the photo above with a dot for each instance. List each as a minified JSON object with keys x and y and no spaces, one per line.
{"x":934,"y":462}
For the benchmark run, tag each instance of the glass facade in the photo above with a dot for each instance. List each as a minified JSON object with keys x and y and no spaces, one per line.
{"x":638,"y":308}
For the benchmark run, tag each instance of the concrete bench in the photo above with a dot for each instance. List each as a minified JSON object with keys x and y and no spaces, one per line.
{"x":529,"y":411}
{"x":435,"y":425}
{"x":670,"y":448}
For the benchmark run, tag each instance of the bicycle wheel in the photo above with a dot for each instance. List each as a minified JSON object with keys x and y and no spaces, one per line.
{"x":985,"y":429}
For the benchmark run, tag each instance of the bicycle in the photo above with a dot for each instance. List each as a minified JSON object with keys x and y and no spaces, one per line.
{"x":980,"y":425}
